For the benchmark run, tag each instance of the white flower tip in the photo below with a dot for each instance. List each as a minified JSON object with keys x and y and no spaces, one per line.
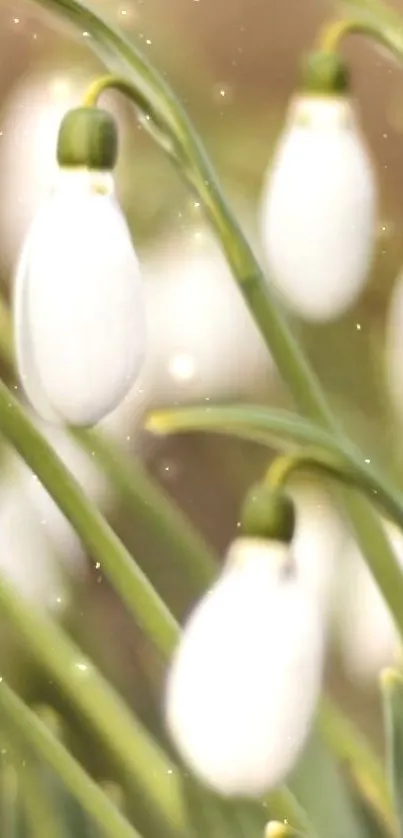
{"x":276,"y":829}
{"x":234,"y":704}
{"x":319,"y":209}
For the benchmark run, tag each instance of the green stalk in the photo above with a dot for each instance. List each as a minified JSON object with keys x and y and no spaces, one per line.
{"x":144,"y":763}
{"x":121,"y":56}
{"x":30,"y":730}
{"x":323,"y":451}
{"x":343,"y":739}
{"x":41,"y":814}
{"x":129,"y":581}
{"x":135,"y":487}
{"x":282,"y":804}
{"x":140,"y":494}
{"x":10,"y":799}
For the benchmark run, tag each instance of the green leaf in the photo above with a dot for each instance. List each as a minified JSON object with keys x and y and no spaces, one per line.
{"x":320,"y":787}
{"x":392,"y":690}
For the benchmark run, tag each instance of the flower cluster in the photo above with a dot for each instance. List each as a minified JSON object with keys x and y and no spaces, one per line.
{"x":79,"y":306}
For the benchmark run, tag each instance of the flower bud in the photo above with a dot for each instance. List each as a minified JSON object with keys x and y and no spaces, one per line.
{"x":246,"y":676}
{"x":319,"y":206}
{"x":78,"y":301}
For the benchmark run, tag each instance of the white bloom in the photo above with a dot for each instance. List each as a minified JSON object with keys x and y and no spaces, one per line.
{"x":202,"y":339}
{"x":29,"y":128}
{"x":319,"y":208}
{"x":78,"y":307}
{"x":246,"y":676}
{"x":369,"y":640}
{"x":40,"y":552}
{"x":27,"y":559}
{"x":318,"y":544}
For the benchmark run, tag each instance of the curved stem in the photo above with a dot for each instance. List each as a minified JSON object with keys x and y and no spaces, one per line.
{"x":130,"y":582}
{"x":132,"y":92}
{"x":324,"y":451}
{"x":40,"y":806}
{"x":341,"y":469}
{"x":165,"y":520}
{"x":352,"y":749}
{"x":29,"y":729}
{"x":335,"y":31}
{"x":138,"y":491}
{"x":145,"y":766}
{"x":282,"y":803}
{"x":121,"y":55}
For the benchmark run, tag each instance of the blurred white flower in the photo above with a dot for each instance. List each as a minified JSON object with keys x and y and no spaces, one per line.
{"x":367,"y":635}
{"x":245,"y":678}
{"x":40,"y":552}
{"x":319,"y":208}
{"x":30,"y":123}
{"x":318,"y":544}
{"x":202,"y":341}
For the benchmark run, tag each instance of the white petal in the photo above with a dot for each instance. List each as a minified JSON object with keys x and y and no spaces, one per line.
{"x":319,"y":209}
{"x":369,"y":640}
{"x":202,"y":339}
{"x":318,"y":544}
{"x":27,"y":559}
{"x":245,"y":679}
{"x":79,"y":308}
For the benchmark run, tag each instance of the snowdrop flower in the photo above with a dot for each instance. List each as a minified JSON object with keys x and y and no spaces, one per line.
{"x":318,"y":542}
{"x":78,"y":302}
{"x":319,"y":207}
{"x":245,"y":678}
{"x":30,"y":124}
{"x":367,"y":635}
{"x":40,"y":552}
{"x":202,"y":340}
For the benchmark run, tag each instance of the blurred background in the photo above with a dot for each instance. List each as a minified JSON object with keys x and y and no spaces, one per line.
{"x":235,"y":65}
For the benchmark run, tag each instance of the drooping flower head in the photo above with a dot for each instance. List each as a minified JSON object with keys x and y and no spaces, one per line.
{"x":245,"y":679}
{"x":78,"y":302}
{"x":319,"y":199}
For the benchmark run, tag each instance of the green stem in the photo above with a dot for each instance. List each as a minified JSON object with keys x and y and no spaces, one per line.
{"x":137,"y":490}
{"x":292,"y":364}
{"x":10,"y":798}
{"x":30,"y":729}
{"x":164,"y":519}
{"x":341,"y":469}
{"x":334,"y":32}
{"x":282,"y":804}
{"x":145,"y":765}
{"x":142,"y":601}
{"x":378,"y":15}
{"x":352,"y":749}
{"x":324,"y":451}
{"x":40,"y":812}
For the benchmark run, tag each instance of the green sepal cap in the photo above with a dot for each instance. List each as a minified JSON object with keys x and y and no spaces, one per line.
{"x":88,"y":137}
{"x":325,"y":73}
{"x":268,"y":513}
